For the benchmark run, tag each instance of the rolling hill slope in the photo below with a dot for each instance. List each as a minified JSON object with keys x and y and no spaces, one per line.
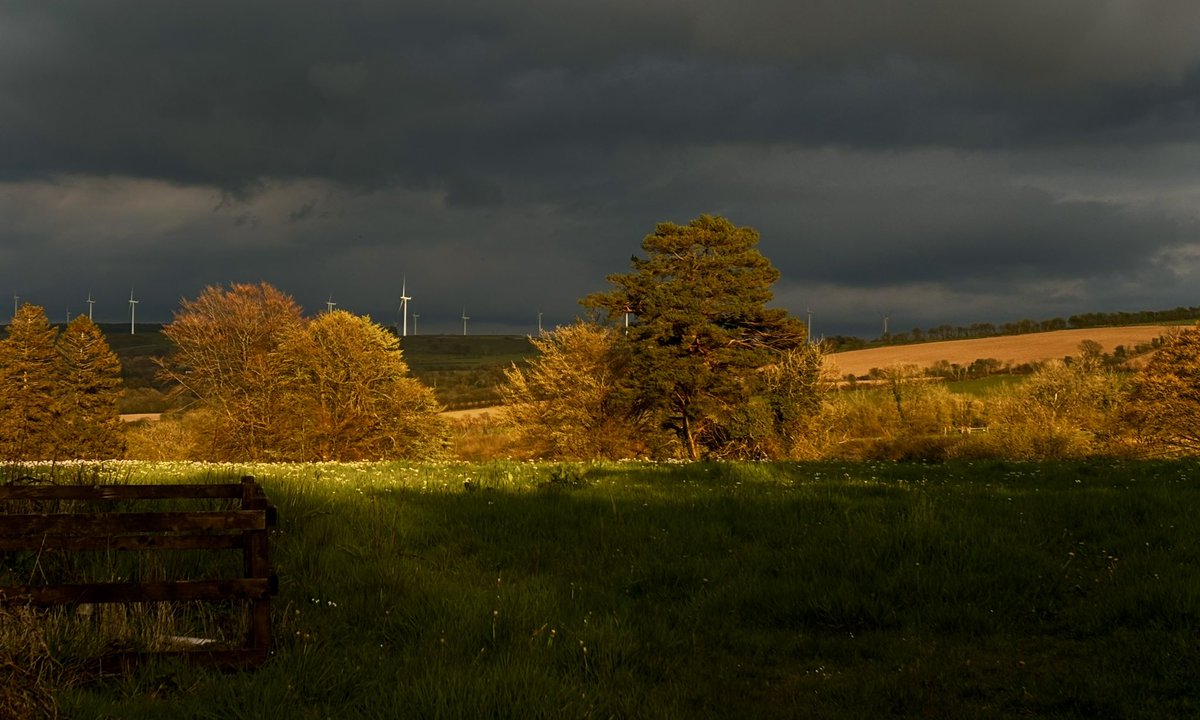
{"x":1009,"y":349}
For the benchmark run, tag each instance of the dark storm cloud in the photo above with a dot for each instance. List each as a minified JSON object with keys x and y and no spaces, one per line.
{"x":530,"y":145}
{"x":1008,"y":235}
{"x":361,"y":92}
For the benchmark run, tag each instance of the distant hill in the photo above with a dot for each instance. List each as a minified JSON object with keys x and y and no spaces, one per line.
{"x":457,"y":352}
{"x":1008,"y":349}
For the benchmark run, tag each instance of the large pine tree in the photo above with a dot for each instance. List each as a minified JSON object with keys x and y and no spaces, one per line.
{"x":29,"y":399}
{"x":700,"y":329}
{"x":89,"y":388}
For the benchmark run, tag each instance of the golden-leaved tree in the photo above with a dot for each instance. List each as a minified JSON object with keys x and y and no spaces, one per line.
{"x":224,"y":340}
{"x":568,"y":403}
{"x":269,"y":384}
{"x":346,"y":389}
{"x":1164,"y":406}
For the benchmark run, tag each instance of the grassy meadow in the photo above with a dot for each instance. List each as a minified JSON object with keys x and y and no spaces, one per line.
{"x":634,"y":590}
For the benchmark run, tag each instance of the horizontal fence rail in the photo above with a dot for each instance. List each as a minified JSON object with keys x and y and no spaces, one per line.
{"x":92,"y":526}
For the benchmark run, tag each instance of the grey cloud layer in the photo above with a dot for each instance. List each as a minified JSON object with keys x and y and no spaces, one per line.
{"x":231,"y":92}
{"x":964,"y":145}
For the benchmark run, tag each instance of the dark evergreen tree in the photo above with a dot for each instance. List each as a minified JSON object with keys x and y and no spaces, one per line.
{"x":699,"y":328}
{"x":89,"y":389}
{"x":29,"y":399}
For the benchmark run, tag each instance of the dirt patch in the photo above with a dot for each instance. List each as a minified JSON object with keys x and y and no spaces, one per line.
{"x":472,"y":412}
{"x":134,"y":417}
{"x":1011,"y":349}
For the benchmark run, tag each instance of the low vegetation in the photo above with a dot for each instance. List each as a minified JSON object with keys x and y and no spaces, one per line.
{"x":832,"y":590}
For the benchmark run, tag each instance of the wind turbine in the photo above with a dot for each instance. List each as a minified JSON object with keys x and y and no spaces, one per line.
{"x":415,"y":316}
{"x":330,"y":304}
{"x":809,"y":324}
{"x":465,"y":318}
{"x":132,"y":312}
{"x":404,"y":298}
{"x":885,"y":328}
{"x":90,"y":303}
{"x":16,"y":300}
{"x":539,"y":322}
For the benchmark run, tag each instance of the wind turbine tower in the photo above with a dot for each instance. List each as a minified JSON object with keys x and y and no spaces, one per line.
{"x":90,"y":303}
{"x":539,"y":322}
{"x":465,"y":318}
{"x":132,"y":312}
{"x":404,"y":298}
{"x":415,"y":316}
{"x":330,"y":304}
{"x":16,"y":301}
{"x":808,"y":325}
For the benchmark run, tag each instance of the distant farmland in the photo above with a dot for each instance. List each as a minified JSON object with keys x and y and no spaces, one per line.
{"x":1009,"y":349}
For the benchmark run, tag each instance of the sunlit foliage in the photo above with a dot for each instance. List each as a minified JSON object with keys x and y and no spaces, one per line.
{"x":700,"y":330}
{"x":568,"y":403}
{"x":1164,"y":408}
{"x":89,"y":387}
{"x":58,"y":394}
{"x":268,"y":384}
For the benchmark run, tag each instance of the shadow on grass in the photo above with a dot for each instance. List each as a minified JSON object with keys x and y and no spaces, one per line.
{"x":720,"y":591}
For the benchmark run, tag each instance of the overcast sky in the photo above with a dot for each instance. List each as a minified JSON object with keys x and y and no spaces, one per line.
{"x":937,"y":161}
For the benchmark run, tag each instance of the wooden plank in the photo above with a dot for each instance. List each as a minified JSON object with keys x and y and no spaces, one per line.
{"x":67,"y":524}
{"x":180,"y":591}
{"x":42,"y":543}
{"x":244,"y":529}
{"x":119,"y":492}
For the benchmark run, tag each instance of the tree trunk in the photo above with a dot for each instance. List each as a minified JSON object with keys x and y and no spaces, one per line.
{"x":689,"y":438}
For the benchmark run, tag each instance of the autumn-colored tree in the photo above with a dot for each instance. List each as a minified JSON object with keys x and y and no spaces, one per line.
{"x":788,"y":405}
{"x":700,"y":327}
{"x":1061,"y":410}
{"x":1164,"y":407}
{"x":348,"y":394}
{"x":270,"y":385}
{"x":568,"y":402}
{"x":89,"y":386}
{"x":29,"y":397}
{"x":224,"y":345}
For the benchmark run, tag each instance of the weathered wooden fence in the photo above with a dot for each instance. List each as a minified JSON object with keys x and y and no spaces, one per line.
{"x":94,"y":528}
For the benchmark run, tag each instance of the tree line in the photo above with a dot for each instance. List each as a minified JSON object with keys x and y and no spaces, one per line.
{"x":1019,"y":327}
{"x":682,"y":357}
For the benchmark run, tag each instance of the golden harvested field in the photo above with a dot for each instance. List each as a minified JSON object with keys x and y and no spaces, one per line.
{"x":1012,"y":349}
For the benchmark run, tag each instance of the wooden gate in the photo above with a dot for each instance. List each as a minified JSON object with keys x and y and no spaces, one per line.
{"x":97,"y":529}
